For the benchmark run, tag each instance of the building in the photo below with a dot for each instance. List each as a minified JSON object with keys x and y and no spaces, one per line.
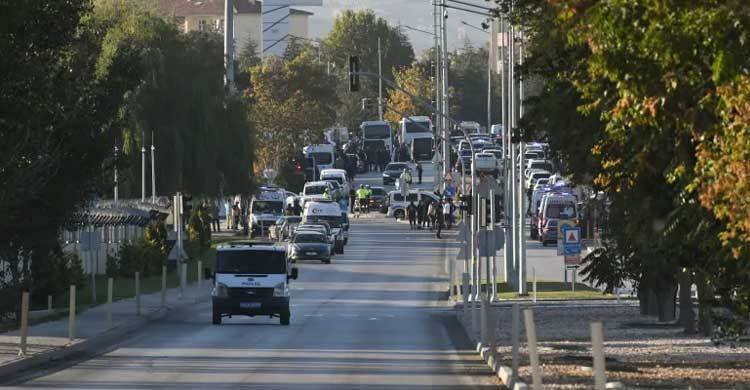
{"x":208,"y":15}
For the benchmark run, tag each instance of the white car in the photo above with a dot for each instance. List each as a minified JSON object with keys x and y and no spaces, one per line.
{"x":485,"y":162}
{"x":397,"y":204}
{"x":315,"y":190}
{"x":338,"y":175}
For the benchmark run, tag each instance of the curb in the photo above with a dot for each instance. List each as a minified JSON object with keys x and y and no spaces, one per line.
{"x":504,"y":373}
{"x":10,"y":370}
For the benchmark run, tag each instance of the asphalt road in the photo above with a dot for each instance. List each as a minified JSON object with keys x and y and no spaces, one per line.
{"x":375,"y":318}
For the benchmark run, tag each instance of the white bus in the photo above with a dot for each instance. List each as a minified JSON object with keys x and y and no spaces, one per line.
{"x":376,"y":135}
{"x":415,"y":127}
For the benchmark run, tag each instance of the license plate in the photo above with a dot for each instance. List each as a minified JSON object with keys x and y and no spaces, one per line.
{"x":311,"y":253}
{"x":250,"y":305}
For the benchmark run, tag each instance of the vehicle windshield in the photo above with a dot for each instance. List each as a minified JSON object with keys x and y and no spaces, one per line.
{"x":250,"y":262}
{"x":337,"y":179}
{"x":266,"y":207}
{"x":315,"y":190}
{"x":466,"y":152}
{"x":561,"y":211}
{"x":541,"y":165}
{"x":418,"y":127}
{"x":378,"y":191}
{"x":320,"y":157}
{"x":377,"y":132}
{"x":396,"y":167}
{"x":333,"y":221}
{"x":309,"y":238}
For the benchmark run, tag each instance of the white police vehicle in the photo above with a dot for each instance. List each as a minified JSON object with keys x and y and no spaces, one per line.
{"x":265,"y":209}
{"x":252,"y":279}
{"x":331,"y":213}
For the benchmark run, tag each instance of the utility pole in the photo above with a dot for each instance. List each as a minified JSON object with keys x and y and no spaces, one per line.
{"x":522,"y":288}
{"x":143,"y":166}
{"x":438,"y":71}
{"x":153,"y":169}
{"x":229,"y":43}
{"x":445,"y":108}
{"x":116,"y":192}
{"x":380,"y":82}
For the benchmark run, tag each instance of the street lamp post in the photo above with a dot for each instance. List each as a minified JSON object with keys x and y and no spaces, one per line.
{"x":153,"y":169}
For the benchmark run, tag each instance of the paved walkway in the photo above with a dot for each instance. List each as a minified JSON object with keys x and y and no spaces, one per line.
{"x":52,"y":336}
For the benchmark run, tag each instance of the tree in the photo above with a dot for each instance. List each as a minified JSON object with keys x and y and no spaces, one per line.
{"x":293,"y":100}
{"x":400,"y":104}
{"x":56,"y":124}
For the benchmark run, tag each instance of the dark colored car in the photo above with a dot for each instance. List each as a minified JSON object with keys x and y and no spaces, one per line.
{"x":378,"y":199}
{"x":309,"y":245}
{"x":393,"y":171}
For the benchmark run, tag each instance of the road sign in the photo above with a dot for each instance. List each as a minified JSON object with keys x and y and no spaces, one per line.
{"x":571,"y":241}
{"x":563,"y":224}
{"x":572,"y":261}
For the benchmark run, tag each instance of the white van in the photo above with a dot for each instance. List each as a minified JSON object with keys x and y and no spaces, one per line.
{"x":251,"y":279}
{"x":329,"y":212}
{"x":397,"y":204}
{"x":315,"y":190}
{"x":339,"y":175}
{"x":322,"y":155}
{"x":265,"y":209}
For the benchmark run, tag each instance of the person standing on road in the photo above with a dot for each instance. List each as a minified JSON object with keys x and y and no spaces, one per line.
{"x":368,"y":195}
{"x":447,"y":213}
{"x":361,"y":198}
{"x":352,"y":197}
{"x":439,"y":220}
{"x":411,"y":213}
{"x":431,"y":214}
{"x":296,"y":209}
{"x":421,"y":212}
{"x":403,"y":183}
{"x":215,"y":215}
{"x":419,"y":172}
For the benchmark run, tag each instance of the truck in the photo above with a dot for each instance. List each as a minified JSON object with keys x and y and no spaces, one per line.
{"x":252,"y":279}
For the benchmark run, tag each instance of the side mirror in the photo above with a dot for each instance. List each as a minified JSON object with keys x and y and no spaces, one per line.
{"x":295,"y":273}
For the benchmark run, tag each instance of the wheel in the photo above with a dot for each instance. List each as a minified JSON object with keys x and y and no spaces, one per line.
{"x":284,"y":317}
{"x":326,"y":261}
{"x":399,"y":214}
{"x":216,"y":317}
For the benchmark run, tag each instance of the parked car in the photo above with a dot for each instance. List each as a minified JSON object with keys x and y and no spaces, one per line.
{"x":555,"y":207}
{"x":378,"y":199}
{"x":283,"y":228}
{"x":393,"y":170}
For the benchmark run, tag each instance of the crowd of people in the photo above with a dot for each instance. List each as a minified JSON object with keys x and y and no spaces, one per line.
{"x":431,"y":214}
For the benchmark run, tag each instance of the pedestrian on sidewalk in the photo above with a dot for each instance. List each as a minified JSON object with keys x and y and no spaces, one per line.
{"x":227,"y":214}
{"x":236,"y":215}
{"x":419,"y":172}
{"x":411,"y":213}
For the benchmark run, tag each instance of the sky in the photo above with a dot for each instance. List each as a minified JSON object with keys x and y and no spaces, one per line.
{"x":413,"y":13}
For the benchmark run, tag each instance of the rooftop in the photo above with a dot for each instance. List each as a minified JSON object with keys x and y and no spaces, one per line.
{"x":214,"y":7}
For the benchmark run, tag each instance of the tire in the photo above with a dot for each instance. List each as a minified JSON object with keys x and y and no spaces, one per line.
{"x":327,"y":261}
{"x":284,"y":317}
{"x":399,"y":214}
{"x":216,"y":320}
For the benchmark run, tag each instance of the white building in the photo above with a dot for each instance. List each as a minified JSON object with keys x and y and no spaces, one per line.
{"x":208,"y":15}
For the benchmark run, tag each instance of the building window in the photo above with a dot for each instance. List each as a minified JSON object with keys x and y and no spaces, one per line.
{"x":202,"y":25}
{"x":219,"y":27}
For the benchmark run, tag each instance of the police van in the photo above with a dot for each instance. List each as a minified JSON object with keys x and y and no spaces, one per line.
{"x":265,"y":209}
{"x":252,"y":279}
{"x":329,"y":212}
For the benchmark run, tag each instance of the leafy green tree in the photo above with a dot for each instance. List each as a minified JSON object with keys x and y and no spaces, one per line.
{"x":293,"y":100}
{"x":56,"y":124}
{"x":412,"y":80}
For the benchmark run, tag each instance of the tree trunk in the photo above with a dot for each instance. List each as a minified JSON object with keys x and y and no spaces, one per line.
{"x":666,"y":297}
{"x":643,"y":298}
{"x":687,"y":317}
{"x":652,"y":303}
{"x":705,"y":299}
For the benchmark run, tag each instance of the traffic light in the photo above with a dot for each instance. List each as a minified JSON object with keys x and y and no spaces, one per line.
{"x":187,"y":205}
{"x":353,"y":73}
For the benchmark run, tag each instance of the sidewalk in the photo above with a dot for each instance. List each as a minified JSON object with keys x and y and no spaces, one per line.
{"x":49,"y":340}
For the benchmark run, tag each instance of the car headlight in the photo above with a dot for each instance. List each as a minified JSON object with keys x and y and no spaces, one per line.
{"x":279,"y":290}
{"x":220,"y":291}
